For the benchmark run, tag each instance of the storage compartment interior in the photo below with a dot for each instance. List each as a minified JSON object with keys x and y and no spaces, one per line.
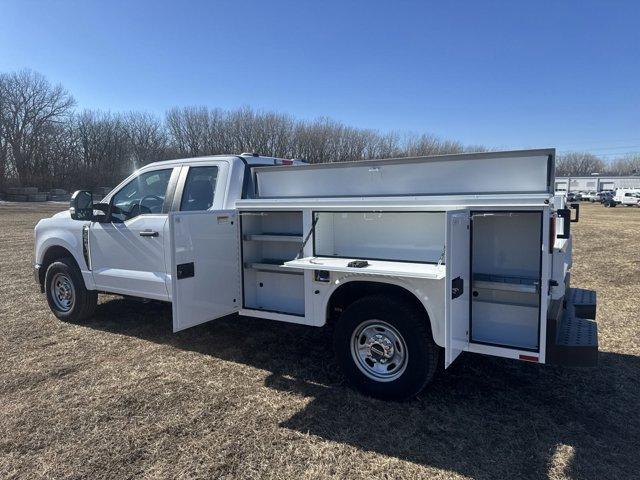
{"x":505,"y":266}
{"x":400,"y":236}
{"x":268,"y":240}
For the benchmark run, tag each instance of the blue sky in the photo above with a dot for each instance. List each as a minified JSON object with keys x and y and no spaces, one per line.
{"x":508,"y":74}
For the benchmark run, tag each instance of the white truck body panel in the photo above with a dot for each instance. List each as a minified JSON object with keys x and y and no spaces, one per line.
{"x":458,"y":285}
{"x":207,"y":244}
{"x":472,"y":174}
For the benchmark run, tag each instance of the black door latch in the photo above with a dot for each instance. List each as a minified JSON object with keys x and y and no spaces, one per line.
{"x":185,"y":270}
{"x":457,"y":287}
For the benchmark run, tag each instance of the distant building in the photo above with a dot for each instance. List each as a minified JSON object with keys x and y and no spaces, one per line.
{"x":596,"y":183}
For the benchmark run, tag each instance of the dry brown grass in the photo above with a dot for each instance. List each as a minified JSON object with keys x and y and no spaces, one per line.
{"x":121,"y":396}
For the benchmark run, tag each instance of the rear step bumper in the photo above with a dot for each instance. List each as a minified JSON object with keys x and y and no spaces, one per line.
{"x":572,"y":332}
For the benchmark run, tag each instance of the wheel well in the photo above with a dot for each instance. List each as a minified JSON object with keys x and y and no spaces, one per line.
{"x":51,"y":255}
{"x":348,"y":293}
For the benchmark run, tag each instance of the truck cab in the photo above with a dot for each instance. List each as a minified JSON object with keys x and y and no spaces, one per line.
{"x":129,"y":236}
{"x":410,"y":261}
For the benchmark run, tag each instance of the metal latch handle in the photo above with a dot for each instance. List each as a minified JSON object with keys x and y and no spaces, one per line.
{"x":457,"y":287}
{"x":576,"y":207}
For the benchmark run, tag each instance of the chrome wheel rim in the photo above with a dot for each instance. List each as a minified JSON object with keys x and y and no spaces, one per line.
{"x":379,"y":350}
{"x":63,"y":293}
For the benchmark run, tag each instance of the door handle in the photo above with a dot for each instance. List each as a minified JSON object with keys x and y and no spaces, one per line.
{"x":148,"y":233}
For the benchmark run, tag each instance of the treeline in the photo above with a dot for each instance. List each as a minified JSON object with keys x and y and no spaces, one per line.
{"x":585,"y":163}
{"x":46,"y":142}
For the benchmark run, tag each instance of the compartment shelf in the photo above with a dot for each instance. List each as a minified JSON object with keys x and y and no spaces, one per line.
{"x":375,"y":267}
{"x":273,"y":237}
{"x":269,"y":239}
{"x":506,"y":283}
{"x":275,"y":266}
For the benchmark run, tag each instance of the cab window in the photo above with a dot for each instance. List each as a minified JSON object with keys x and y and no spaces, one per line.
{"x":143,"y":195}
{"x":199,"y":188}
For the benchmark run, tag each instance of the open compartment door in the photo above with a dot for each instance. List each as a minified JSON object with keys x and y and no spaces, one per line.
{"x":205,"y":263}
{"x":457,"y":305}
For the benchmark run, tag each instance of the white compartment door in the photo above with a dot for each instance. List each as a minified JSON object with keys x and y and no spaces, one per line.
{"x":205,"y":262}
{"x":458,"y":289}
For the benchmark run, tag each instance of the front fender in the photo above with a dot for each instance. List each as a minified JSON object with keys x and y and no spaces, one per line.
{"x":65,"y":233}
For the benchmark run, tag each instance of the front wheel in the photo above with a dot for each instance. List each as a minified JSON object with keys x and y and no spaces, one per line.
{"x":68,"y":298}
{"x":385,"y":347}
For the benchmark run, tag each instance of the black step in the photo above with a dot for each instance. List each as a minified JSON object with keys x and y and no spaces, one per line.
{"x":576,"y":342}
{"x":584,"y":302}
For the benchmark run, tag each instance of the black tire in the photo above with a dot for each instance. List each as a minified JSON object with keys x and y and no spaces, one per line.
{"x":412,"y":324}
{"x":83,"y":303}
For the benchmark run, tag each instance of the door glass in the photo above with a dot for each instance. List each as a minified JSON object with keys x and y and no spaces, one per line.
{"x":143,"y":195}
{"x":199,"y":189}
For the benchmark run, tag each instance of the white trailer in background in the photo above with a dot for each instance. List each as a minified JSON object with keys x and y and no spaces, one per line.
{"x":411,"y":260}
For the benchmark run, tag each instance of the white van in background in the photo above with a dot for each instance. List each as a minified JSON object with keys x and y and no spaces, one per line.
{"x":625,"y":196}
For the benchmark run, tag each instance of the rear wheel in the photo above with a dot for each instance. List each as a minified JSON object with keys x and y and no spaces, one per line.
{"x":385,"y":347}
{"x":66,"y":293}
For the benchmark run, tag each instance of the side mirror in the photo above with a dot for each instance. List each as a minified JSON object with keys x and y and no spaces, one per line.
{"x":81,"y":205}
{"x":100,"y":212}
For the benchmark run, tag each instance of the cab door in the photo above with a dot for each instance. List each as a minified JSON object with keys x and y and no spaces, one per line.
{"x":205,"y":262}
{"x":458,"y":267}
{"x":127,"y":252}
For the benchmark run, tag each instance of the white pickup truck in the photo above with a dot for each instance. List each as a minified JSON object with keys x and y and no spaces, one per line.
{"x":627,"y":197}
{"x":411,"y":261}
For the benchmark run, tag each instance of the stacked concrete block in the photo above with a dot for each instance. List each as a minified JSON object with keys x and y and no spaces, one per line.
{"x":17,"y":197}
{"x":63,"y":197}
{"x":20,"y":194}
{"x":37,"y":197}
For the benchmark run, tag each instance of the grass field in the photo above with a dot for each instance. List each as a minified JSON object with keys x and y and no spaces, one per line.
{"x":122,"y":396}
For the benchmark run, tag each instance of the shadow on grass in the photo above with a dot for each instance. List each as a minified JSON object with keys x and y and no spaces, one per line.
{"x":485,"y":417}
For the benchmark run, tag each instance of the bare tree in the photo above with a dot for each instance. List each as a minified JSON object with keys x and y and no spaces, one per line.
{"x":426,"y":144}
{"x":103,"y":148}
{"x":627,"y":165}
{"x":188,"y":129}
{"x":579,"y":163}
{"x":147,"y":138}
{"x":4,"y":144}
{"x":30,"y":105}
{"x":44,"y":143}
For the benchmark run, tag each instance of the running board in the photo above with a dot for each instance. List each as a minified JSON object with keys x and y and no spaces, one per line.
{"x":572,"y":340}
{"x":584,"y":302}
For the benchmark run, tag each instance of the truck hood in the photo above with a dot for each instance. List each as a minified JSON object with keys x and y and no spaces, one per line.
{"x":63,"y":214}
